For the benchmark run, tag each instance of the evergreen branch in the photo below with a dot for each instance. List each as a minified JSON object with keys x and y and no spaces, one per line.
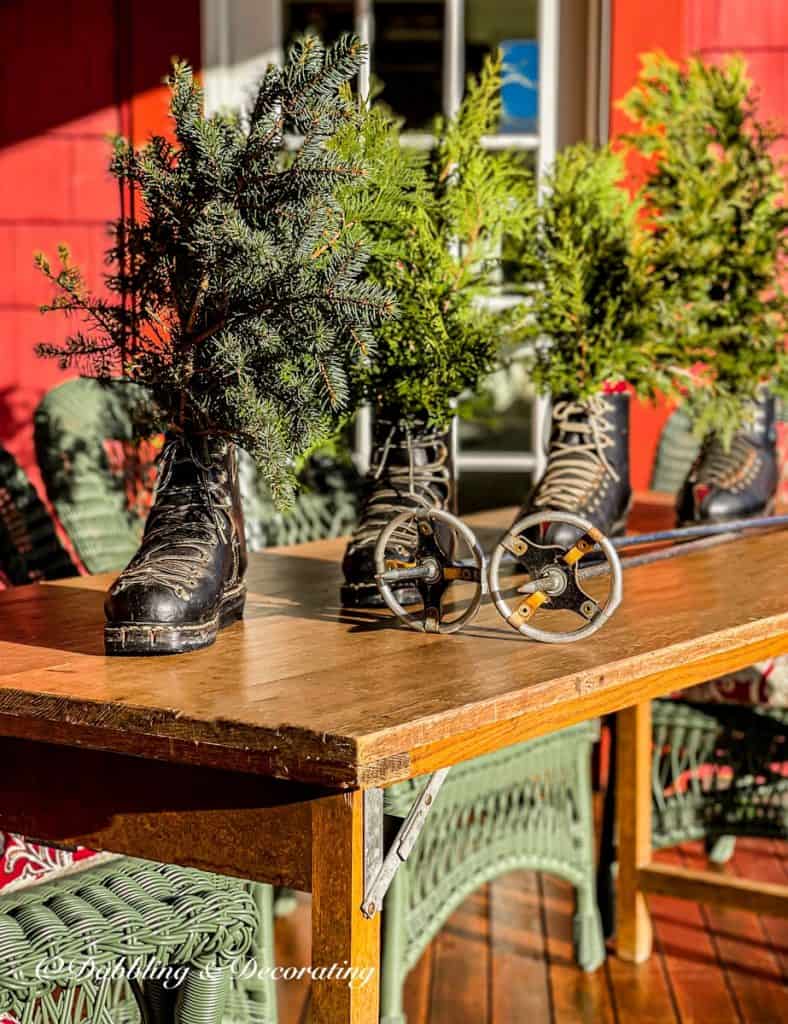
{"x":245,"y":322}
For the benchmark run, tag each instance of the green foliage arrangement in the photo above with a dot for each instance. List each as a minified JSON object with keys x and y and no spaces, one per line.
{"x":714,"y":196}
{"x":594,"y":302}
{"x":239,"y":296}
{"x":436,"y":221}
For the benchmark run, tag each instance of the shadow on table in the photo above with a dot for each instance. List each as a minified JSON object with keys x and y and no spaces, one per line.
{"x":69,"y":617}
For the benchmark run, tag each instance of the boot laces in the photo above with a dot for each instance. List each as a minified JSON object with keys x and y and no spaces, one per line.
{"x":721,"y":468}
{"x":186,"y":521}
{"x":399,"y":487}
{"x":574,"y":468}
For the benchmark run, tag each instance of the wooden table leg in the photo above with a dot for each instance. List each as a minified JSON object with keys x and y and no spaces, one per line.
{"x":633,"y":810}
{"x":341,"y":935}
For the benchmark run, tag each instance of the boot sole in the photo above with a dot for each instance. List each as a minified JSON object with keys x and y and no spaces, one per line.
{"x":135,"y":638}
{"x":367,"y":595}
{"x":768,"y":510}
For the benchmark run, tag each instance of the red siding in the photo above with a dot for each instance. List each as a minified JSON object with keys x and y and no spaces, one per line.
{"x":73,"y":72}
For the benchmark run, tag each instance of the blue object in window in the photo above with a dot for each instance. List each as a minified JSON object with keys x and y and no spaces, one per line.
{"x":520,"y":85}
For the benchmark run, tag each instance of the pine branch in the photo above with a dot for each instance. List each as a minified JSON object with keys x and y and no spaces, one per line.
{"x":240,"y":322}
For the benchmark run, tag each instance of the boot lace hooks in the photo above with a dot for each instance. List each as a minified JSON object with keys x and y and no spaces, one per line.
{"x":184,"y":524}
{"x":420,"y":485}
{"x":729,"y":469}
{"x":575,"y":468}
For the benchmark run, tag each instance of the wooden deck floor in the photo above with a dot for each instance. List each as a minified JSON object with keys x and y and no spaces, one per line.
{"x":505,"y":957}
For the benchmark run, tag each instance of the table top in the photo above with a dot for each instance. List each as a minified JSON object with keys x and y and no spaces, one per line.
{"x":303,"y":690}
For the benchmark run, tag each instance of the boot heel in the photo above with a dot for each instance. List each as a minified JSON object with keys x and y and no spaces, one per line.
{"x":232,"y":608}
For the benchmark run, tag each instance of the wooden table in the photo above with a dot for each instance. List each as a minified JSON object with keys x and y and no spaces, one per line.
{"x":251,"y":758}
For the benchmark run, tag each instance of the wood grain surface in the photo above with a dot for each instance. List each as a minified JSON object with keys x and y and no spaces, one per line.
{"x":303,"y":690}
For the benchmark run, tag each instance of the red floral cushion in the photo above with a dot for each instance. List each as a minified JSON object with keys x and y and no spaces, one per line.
{"x":764,"y":685}
{"x":23,"y":861}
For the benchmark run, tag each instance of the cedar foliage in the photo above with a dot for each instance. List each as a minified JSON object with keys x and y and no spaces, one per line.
{"x":593,"y":301}
{"x":714,"y":196}
{"x":240,"y":297}
{"x":436,"y":222}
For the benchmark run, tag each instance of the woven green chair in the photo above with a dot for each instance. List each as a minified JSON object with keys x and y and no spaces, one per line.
{"x":99,"y":477}
{"x":719,"y":771}
{"x":529,"y":807}
{"x":29,"y":546}
{"x":129,"y":942}
{"x":326,"y":506}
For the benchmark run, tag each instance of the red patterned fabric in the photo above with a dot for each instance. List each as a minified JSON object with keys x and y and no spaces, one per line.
{"x":21,"y":860}
{"x":764,"y":684}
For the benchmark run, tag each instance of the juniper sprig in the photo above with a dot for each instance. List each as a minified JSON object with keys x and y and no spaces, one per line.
{"x":436,"y":221}
{"x":593,"y":301}
{"x":714,"y":196}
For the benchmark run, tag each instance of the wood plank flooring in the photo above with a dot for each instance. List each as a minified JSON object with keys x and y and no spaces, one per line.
{"x":505,"y":957}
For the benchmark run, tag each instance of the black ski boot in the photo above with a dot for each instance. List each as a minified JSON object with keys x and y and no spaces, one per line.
{"x":735,"y":483}
{"x":409,"y":470}
{"x":186,"y":582}
{"x":587,"y":467}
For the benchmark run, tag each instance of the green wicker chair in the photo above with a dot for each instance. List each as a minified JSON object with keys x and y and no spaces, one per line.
{"x":719,"y":771}
{"x":529,"y":807}
{"x":713,"y":763}
{"x":129,"y":942}
{"x":29,"y":546}
{"x":99,"y":478}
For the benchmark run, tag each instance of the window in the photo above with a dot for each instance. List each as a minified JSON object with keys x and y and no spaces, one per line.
{"x":420,"y":52}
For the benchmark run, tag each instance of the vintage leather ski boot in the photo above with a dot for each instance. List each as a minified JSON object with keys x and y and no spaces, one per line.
{"x":186,"y":582}
{"x":587,"y":469}
{"x":410,"y":469}
{"x":741,"y":481}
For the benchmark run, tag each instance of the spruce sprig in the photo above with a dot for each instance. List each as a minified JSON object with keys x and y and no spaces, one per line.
{"x":714,"y":195}
{"x":240,"y":297}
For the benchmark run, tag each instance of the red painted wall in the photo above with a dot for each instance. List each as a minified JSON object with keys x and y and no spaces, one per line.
{"x":634,"y":33}
{"x":712,"y":28}
{"x":80,"y":69}
{"x":73,"y":72}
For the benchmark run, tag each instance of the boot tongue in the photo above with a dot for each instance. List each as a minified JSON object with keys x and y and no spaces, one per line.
{"x":190,"y":457}
{"x":565,"y":434}
{"x":396,"y":432}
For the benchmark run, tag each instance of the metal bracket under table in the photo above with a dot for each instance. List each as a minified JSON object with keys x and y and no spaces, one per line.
{"x":379,"y":871}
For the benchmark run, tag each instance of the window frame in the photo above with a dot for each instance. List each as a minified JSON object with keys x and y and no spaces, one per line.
{"x":227,"y":78}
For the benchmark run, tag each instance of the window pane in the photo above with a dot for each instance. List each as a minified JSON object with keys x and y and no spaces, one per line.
{"x":513,"y":28}
{"x":407,"y":58}
{"x":500,"y":423}
{"x":328,"y":18}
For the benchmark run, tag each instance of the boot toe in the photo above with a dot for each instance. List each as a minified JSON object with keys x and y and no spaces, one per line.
{"x":147,"y":604}
{"x":360,"y":589}
{"x":561,"y":535}
{"x":715,"y":505}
